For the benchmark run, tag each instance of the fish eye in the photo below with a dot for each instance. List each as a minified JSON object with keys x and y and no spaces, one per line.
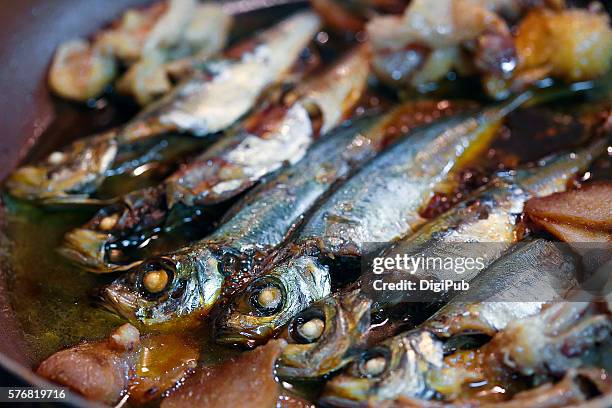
{"x":267,"y":298}
{"x":156,"y":278}
{"x":374,"y":362}
{"x":307,"y":327}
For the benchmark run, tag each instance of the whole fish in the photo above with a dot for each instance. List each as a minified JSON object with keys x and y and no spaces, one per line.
{"x":188,"y":282}
{"x":518,"y":301}
{"x":483,"y":226}
{"x":279,"y":134}
{"x":380,"y":203}
{"x":513,"y":288}
{"x":209,"y":101}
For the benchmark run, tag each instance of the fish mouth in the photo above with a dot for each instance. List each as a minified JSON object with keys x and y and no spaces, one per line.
{"x":31,"y":182}
{"x":116,"y":300}
{"x":66,"y":176}
{"x":297,"y":362}
{"x":87,"y":248}
{"x":332,"y":401}
{"x":301,"y":365}
{"x":332,"y":348}
{"x":26,"y":182}
{"x":243,"y":337}
{"x":237,"y":340}
{"x":346,"y":393}
{"x":290,"y":372}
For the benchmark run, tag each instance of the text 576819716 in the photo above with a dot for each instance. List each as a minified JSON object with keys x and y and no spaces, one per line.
{"x":32,"y":394}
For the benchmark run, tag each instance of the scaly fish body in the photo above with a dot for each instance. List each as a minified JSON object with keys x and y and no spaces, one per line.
{"x":528,"y":284}
{"x":206,"y":103}
{"x":379,"y":203}
{"x":489,"y":218}
{"x":256,"y":225}
{"x":273,"y":138}
{"x":205,"y":107}
{"x":280,"y":135}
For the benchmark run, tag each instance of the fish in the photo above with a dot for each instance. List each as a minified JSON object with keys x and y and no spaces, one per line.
{"x":421,"y":351}
{"x":489,"y":217}
{"x":515,"y":287}
{"x":275,"y":136}
{"x":187,"y":283}
{"x":209,"y":101}
{"x":587,"y":387}
{"x":380,"y":203}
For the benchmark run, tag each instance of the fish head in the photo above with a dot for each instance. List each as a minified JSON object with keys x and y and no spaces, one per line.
{"x":259,"y":311}
{"x":396,"y":367}
{"x":99,"y":245}
{"x":66,"y":176}
{"x":90,"y":246}
{"x":323,"y":338}
{"x":182,"y":285}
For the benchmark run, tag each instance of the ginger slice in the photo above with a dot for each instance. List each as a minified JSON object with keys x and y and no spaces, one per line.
{"x":564,"y":214}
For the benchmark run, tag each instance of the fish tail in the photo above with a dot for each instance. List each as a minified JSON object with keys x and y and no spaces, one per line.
{"x":540,"y":96}
{"x":557,"y":170}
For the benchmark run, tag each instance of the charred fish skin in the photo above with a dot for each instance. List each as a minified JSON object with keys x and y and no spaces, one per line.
{"x":279,"y":136}
{"x":204,"y":104}
{"x":405,"y":365}
{"x":256,"y":224}
{"x":366,"y":208}
{"x":488,"y":217}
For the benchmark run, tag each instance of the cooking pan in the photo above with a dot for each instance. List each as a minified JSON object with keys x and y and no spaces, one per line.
{"x":30,"y":31}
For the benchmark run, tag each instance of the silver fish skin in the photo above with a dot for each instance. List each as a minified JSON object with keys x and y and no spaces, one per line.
{"x":205,"y":107}
{"x":259,"y":222}
{"x":529,"y":275}
{"x":205,"y":103}
{"x":379,"y":203}
{"x":489,"y":217}
{"x":382,"y":202}
{"x":262,"y":220}
{"x":270,"y":139}
{"x":256,"y":225}
{"x":280,"y":135}
{"x":402,"y":366}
